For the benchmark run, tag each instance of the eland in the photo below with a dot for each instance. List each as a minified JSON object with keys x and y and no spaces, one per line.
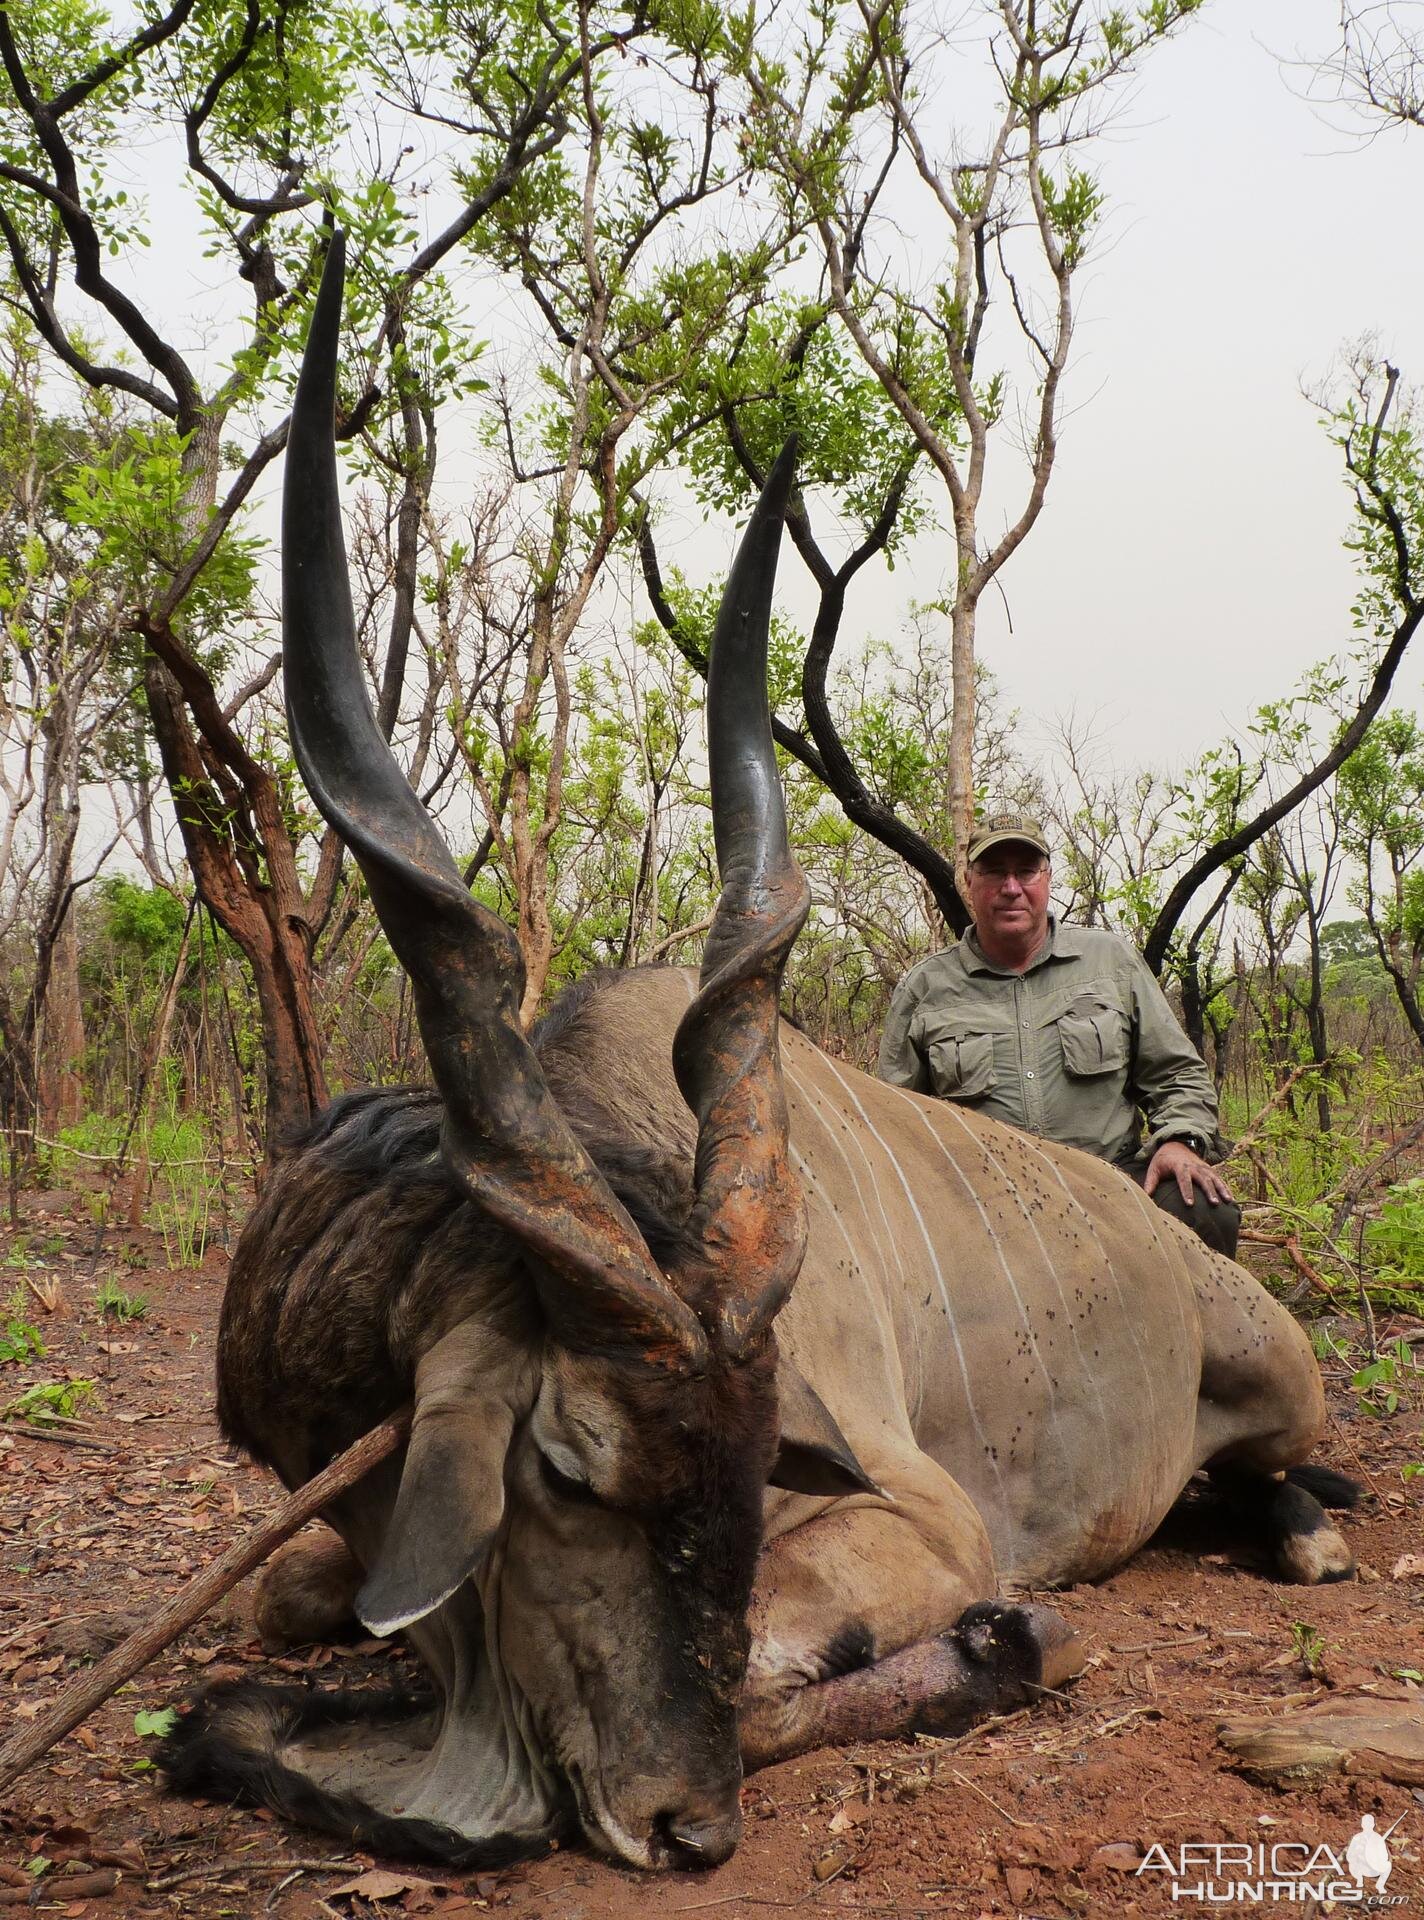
{"x":750,"y":1395}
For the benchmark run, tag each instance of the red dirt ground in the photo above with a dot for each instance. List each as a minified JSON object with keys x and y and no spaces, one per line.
{"x":1012,"y":1820}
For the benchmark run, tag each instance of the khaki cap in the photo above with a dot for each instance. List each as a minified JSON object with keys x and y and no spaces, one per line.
{"x":1001,"y":828}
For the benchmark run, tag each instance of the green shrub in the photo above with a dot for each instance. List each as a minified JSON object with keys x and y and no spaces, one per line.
{"x":19,"y":1341}
{"x":1396,"y":1238}
{"x":114,"y":1304}
{"x":50,"y":1400}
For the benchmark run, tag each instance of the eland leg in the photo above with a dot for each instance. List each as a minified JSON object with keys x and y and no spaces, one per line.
{"x":861,"y":1631}
{"x":1286,"y":1520}
{"x":306,"y":1591}
{"x":1260,"y":1412}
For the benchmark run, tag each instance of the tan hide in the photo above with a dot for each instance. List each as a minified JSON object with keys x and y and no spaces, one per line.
{"x":987,"y":1315}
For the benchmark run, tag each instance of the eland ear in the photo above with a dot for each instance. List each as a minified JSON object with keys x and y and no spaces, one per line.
{"x":451,"y":1497}
{"x":813,"y":1456}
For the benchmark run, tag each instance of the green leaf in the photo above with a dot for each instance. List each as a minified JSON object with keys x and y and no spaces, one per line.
{"x":154,"y":1723}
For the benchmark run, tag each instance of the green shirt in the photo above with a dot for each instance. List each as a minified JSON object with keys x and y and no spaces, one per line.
{"x":1070,"y":1049}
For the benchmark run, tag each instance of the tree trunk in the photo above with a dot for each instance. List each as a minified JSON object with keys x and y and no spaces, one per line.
{"x":961,"y":726}
{"x":244,"y":868}
{"x":1193,"y":1001}
{"x":1405,"y":987}
{"x":61,"y":1048}
{"x":19,"y":1054}
{"x":17,"y":1089}
{"x":291,"y":1038}
{"x":158,"y":1047}
{"x":1315,"y":1021}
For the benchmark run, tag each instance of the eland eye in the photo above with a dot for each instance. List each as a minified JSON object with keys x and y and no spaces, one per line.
{"x":564,"y":1486}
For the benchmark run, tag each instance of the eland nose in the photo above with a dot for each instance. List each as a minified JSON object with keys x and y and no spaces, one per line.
{"x":702,"y":1834}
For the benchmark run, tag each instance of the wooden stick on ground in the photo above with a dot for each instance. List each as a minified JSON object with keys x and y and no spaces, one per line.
{"x":191,"y":1602}
{"x":74,"y":1886}
{"x":21,"y":1431}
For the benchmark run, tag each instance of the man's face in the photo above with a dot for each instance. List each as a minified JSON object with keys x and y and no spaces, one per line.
{"x":1008,"y":895}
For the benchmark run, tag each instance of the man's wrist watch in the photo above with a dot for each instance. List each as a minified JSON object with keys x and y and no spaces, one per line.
{"x":1193,"y":1140}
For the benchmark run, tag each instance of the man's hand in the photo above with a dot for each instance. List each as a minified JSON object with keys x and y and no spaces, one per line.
{"x":1174,"y":1160}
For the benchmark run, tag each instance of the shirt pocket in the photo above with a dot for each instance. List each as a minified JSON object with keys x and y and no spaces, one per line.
{"x":962,"y":1065}
{"x":1093,"y":1032}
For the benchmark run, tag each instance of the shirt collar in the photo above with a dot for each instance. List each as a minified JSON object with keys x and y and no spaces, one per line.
{"x":1060,"y":943}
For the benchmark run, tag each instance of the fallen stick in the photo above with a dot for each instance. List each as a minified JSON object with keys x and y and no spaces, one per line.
{"x":1290,"y":1246}
{"x":74,"y":1886}
{"x":1304,"y":1268}
{"x":55,"y":1437}
{"x":1354,"y":1453}
{"x":243,"y":1864}
{"x":190,"y":1603}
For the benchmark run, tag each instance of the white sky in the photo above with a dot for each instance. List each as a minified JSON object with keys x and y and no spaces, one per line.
{"x":1189,"y":563}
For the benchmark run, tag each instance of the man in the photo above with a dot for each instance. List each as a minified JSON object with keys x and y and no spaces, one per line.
{"x":1063,"y":1032}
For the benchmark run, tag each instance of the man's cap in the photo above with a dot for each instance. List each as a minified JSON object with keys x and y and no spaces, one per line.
{"x":1001,"y":828}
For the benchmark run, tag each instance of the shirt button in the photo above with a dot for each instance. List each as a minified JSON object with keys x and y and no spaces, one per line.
{"x":1029,"y":1075}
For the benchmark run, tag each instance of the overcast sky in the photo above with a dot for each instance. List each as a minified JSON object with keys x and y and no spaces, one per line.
{"x":1189,"y":563}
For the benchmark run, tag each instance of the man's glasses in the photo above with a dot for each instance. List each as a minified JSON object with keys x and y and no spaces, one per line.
{"x":996,"y":875}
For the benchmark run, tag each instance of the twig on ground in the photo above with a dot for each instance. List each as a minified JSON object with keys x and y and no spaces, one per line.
{"x":1040,"y":1692}
{"x":1353,"y":1451}
{"x":1159,"y":1646}
{"x":1304,"y":1268}
{"x":300,"y":1868}
{"x":22,"y":1430}
{"x":1330,"y":1249}
{"x":1012,"y":1818}
{"x":244,"y":1863}
{"x":936,"y":1744}
{"x":749,"y":1900}
{"x":994,"y":1723}
{"x":191,"y":1602}
{"x":1111,"y":1726}
{"x":71,"y":1886}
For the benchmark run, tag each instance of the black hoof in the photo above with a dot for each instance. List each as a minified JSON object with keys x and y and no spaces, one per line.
{"x":999,"y":1638}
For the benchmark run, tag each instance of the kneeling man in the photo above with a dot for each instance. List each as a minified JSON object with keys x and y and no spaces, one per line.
{"x":1063,"y":1032}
